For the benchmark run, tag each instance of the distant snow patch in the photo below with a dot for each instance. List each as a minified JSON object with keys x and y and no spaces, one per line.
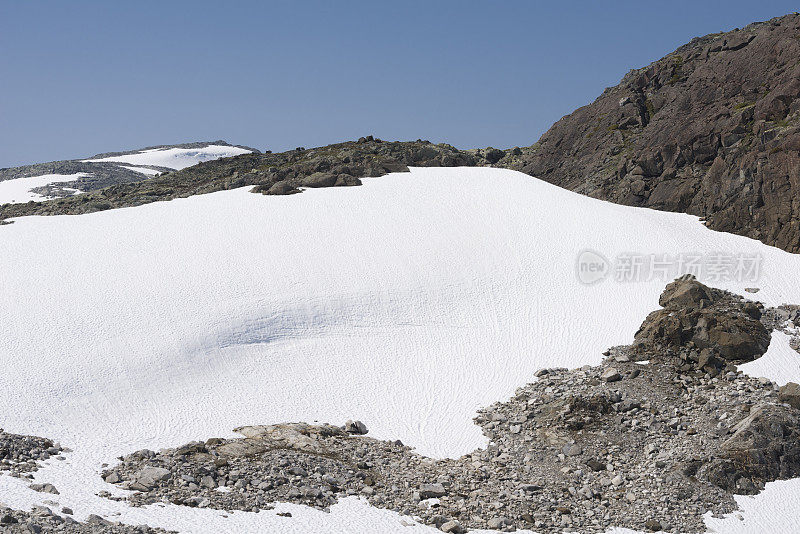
{"x":143,"y":170}
{"x":18,"y":191}
{"x":176,"y":158}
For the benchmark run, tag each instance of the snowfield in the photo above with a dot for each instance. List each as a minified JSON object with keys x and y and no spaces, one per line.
{"x":18,"y":190}
{"x":176,"y":158}
{"x":407,"y":303}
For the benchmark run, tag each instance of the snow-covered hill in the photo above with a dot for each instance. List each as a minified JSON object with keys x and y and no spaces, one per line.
{"x":45,"y":181}
{"x":407,"y":303}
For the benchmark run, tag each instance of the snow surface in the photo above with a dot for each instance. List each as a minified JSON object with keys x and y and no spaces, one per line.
{"x":176,"y":158}
{"x":18,"y":191}
{"x":780,"y":363}
{"x":408,"y":303}
{"x":143,"y":170}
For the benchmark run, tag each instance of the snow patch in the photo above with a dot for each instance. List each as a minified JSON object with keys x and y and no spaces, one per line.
{"x":781,"y":363}
{"x":142,"y":170}
{"x":18,"y":191}
{"x":175,"y":158}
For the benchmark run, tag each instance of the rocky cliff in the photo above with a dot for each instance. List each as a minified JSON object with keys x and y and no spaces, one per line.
{"x":712,"y":129}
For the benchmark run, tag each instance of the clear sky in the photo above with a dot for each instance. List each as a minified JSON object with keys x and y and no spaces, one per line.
{"x":81,"y":77}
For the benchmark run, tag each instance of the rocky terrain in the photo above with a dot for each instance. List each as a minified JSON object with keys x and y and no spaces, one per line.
{"x":98,"y":174}
{"x":21,"y":455}
{"x":273,"y":174}
{"x":662,"y":432}
{"x":712,"y":129}
{"x":44,"y":520}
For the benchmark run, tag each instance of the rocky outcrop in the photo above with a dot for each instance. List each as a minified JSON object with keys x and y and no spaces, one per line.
{"x":20,"y":455}
{"x":284,"y":173}
{"x":708,"y":327}
{"x":712,"y":129}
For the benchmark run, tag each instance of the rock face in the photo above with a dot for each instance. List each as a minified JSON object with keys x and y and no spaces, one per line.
{"x":712,"y":129}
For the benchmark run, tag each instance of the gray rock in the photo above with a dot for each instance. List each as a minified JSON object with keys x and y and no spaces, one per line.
{"x":452,"y":526}
{"x":44,"y":488}
{"x":429,"y":491}
{"x":150,"y":476}
{"x":282,"y":188}
{"x":355,"y":427}
{"x":611,"y":375}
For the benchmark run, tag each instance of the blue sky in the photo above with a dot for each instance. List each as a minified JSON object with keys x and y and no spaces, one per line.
{"x":84,"y":77}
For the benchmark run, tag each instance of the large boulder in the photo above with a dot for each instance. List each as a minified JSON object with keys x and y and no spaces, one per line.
{"x":697,"y":318}
{"x":319,"y":179}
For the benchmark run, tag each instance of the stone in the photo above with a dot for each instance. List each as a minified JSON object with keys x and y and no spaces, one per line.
{"x":94,"y":519}
{"x":319,"y":179}
{"x":611,"y":375}
{"x":595,"y":465}
{"x":355,"y":427}
{"x":150,"y":476}
{"x":452,"y":526}
{"x":790,"y":394}
{"x":497,"y":523}
{"x":44,"y":488}
{"x":652,"y":525}
{"x":430,"y":491}
{"x":675,"y":443}
{"x":282,"y":188}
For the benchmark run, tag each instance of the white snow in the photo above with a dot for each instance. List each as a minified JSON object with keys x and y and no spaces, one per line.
{"x":176,"y":158}
{"x":18,"y":190}
{"x":407,"y":303}
{"x":780,"y":363}
{"x":143,"y":170}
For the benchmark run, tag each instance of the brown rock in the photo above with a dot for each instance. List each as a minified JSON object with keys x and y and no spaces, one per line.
{"x":790,"y":394}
